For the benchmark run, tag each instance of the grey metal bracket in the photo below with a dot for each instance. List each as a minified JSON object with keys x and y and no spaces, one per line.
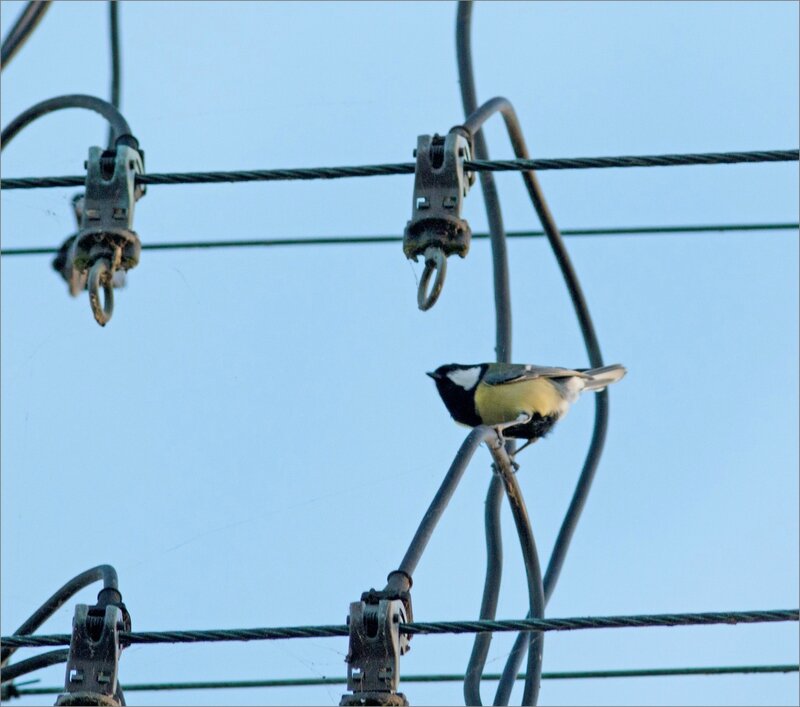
{"x":373,"y":660}
{"x":105,"y":243}
{"x":94,"y":653}
{"x":440,"y":185}
{"x":76,"y":280}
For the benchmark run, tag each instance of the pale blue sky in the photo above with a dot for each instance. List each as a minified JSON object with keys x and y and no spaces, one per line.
{"x":252,"y":440}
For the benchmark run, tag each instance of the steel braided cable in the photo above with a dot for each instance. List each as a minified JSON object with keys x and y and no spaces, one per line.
{"x":431,"y":628}
{"x":378,"y":170}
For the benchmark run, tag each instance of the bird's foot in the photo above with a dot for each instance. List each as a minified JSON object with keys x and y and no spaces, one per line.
{"x":522,"y":419}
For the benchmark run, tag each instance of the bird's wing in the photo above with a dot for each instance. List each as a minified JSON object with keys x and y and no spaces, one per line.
{"x":502,"y":373}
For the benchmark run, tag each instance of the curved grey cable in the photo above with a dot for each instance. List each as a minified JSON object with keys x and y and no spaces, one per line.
{"x":502,"y":302}
{"x":533,"y":573}
{"x":109,"y":112}
{"x":595,"y":359}
{"x":491,"y":591}
{"x":37,"y":662}
{"x":106,"y":573}
{"x":441,"y":499}
{"x":22,"y":29}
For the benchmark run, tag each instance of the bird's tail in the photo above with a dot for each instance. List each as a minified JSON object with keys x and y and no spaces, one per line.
{"x":602,"y":377}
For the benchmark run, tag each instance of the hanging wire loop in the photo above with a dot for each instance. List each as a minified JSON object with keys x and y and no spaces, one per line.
{"x":435,"y":261}
{"x":101,"y":274}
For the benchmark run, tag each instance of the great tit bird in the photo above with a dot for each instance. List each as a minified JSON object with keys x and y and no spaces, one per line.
{"x":524,"y":401}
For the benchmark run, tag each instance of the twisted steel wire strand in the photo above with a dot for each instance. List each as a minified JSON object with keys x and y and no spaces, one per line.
{"x":430,"y":628}
{"x":377,"y":170}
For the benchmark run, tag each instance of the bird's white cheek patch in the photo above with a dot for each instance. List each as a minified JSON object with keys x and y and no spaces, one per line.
{"x":467,"y":378}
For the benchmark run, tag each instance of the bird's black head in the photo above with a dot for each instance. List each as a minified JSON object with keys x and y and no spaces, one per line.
{"x":456,"y":384}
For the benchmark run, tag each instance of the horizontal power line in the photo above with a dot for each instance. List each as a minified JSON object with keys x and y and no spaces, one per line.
{"x":379,"y":170}
{"x":437,"y":627}
{"x":365,"y":240}
{"x":439,"y":678}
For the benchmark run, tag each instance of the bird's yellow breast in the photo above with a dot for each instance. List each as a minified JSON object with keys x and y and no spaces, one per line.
{"x":496,"y":404}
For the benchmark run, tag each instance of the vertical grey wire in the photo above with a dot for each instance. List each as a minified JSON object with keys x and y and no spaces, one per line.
{"x":116,"y":61}
{"x":502,"y":300}
{"x":533,"y":573}
{"x":502,"y":296}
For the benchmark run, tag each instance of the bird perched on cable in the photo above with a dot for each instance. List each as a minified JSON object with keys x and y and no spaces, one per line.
{"x":522,"y":401}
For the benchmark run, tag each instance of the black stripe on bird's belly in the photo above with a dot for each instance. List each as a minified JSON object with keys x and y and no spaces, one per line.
{"x":537,"y":427}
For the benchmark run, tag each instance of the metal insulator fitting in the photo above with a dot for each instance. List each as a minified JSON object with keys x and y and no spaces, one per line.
{"x":373,"y":659}
{"x":436,"y":229}
{"x":76,"y":280}
{"x":105,"y":233}
{"x":94,"y":653}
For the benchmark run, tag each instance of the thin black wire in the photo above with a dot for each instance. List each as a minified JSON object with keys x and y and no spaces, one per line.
{"x":379,"y":170}
{"x":106,"y":573}
{"x":430,"y":628}
{"x":22,"y":29}
{"x":533,"y":572}
{"x":116,"y":60}
{"x":503,"y":336}
{"x":37,"y":662}
{"x":438,"y":678}
{"x":366,"y":240}
{"x":502,"y":293}
{"x":491,"y":590}
{"x":98,"y":105}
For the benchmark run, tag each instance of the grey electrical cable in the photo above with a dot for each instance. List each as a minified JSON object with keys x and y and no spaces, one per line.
{"x":533,"y":573}
{"x":106,"y":573}
{"x":22,"y":30}
{"x":116,"y":61}
{"x":503,"y":319}
{"x":504,"y":107}
{"x":383,"y":170}
{"x":491,"y":591}
{"x":98,"y":105}
{"x":37,"y":662}
{"x":439,"y":628}
{"x":472,"y":125}
{"x":502,"y":295}
{"x":448,"y":486}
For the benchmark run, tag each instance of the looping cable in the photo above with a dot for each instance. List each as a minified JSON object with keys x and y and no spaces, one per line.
{"x":101,"y":274}
{"x":435,"y":261}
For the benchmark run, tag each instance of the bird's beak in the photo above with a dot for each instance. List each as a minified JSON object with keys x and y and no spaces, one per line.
{"x":432,"y":374}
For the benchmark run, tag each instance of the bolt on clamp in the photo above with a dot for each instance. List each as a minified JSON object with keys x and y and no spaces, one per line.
{"x":376,"y":644}
{"x":94,"y":652}
{"x":436,"y":229}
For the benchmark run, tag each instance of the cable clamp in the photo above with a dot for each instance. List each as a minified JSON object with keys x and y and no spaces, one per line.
{"x":94,"y":652}
{"x":376,"y":644}
{"x":436,"y":229}
{"x":105,"y":221}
